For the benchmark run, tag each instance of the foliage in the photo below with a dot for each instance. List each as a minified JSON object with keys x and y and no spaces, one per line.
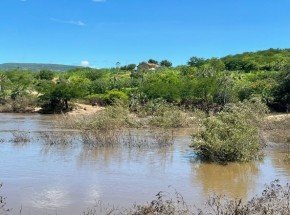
{"x":20,"y":137}
{"x":153,"y":61}
{"x":196,"y":61}
{"x":206,"y":84}
{"x":129,"y":67}
{"x":283,"y":89}
{"x":273,"y":200}
{"x":35,"y":67}
{"x":165,"y":63}
{"x":232,"y":135}
{"x":166,"y":86}
{"x":114,"y":96}
{"x":168,"y":116}
{"x":45,"y":75}
{"x":108,"y":98}
{"x":270,"y":60}
{"x":55,"y":97}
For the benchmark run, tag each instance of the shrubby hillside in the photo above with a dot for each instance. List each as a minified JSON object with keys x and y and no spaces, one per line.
{"x":35,"y":67}
{"x":205,"y":84}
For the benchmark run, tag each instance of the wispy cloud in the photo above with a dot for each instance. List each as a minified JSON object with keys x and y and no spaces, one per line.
{"x":70,"y":22}
{"x":85,"y":63}
{"x":23,"y":0}
{"x":99,"y":0}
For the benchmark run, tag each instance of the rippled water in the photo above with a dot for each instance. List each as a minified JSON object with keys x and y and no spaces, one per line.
{"x":69,"y":179}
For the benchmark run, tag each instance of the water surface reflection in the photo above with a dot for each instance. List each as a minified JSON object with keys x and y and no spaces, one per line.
{"x":235,"y":179}
{"x":45,"y":178}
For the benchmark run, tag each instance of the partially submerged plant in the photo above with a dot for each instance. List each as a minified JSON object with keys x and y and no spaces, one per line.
{"x":274,"y":200}
{"x":164,"y":204}
{"x":163,"y":138}
{"x":153,"y":139}
{"x":52,"y":138}
{"x":20,"y":137}
{"x":232,"y":135}
{"x":100,"y":138}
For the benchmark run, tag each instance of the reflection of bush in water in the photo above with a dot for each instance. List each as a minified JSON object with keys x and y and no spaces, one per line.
{"x":237,"y":178}
{"x":137,"y":145}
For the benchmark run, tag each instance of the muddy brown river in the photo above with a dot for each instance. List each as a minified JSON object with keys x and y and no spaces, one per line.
{"x":69,"y":179}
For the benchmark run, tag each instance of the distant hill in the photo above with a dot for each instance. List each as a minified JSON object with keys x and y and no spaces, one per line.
{"x":271,"y":59}
{"x":35,"y":67}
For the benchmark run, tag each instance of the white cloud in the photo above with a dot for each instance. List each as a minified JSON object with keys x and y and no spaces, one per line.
{"x":85,"y":63}
{"x":99,"y":0}
{"x":70,"y":22}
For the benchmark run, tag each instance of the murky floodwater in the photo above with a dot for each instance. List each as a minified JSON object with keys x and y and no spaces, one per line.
{"x":69,"y":179}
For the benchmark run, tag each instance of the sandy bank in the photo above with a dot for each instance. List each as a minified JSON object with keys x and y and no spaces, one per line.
{"x":83,"y":109}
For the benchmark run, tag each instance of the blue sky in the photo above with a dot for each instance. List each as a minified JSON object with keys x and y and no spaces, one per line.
{"x":100,"y":33}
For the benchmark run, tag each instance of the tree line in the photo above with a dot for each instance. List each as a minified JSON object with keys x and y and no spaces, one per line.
{"x":206,"y":84}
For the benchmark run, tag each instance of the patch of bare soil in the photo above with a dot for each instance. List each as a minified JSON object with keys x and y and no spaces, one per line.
{"x":277,"y":128}
{"x":83,"y":109}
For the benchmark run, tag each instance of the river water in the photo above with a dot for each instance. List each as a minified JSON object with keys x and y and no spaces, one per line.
{"x":69,"y":179}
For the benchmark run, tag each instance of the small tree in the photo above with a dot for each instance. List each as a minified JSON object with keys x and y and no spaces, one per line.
{"x":152,"y":61}
{"x":55,"y":97}
{"x":282,"y":93}
{"x":232,"y":135}
{"x":165,"y":63}
{"x":45,"y":75}
{"x":196,"y":61}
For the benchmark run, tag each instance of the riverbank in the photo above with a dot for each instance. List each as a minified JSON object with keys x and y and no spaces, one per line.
{"x":276,"y":128}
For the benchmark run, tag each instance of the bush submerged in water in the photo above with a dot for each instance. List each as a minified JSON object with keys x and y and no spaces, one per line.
{"x":232,"y":135}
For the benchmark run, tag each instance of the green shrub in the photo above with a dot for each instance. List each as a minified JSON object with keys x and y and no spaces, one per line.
{"x":21,"y":104}
{"x":113,"y":96}
{"x":169,"y":116}
{"x":232,"y":135}
{"x":108,"y":98}
{"x":95,"y":99}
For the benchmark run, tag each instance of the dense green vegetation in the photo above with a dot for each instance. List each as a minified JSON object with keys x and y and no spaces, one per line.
{"x":206,"y":84}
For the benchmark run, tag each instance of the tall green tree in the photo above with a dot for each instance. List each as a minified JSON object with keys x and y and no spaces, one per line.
{"x":152,"y":61}
{"x":196,"y":61}
{"x":165,"y":63}
{"x":55,"y":97}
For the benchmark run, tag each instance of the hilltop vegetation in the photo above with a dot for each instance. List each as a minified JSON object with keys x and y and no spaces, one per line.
{"x":206,"y":84}
{"x":35,"y":67}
